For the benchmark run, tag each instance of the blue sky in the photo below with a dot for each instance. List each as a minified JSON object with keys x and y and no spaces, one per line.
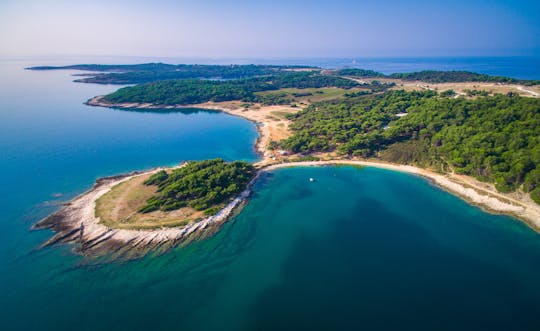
{"x":269,"y":29}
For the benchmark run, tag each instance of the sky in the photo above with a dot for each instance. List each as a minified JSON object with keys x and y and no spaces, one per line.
{"x":269,"y":29}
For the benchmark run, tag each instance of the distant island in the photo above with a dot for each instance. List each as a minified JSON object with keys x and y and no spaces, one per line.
{"x":151,"y":72}
{"x":475,"y":135}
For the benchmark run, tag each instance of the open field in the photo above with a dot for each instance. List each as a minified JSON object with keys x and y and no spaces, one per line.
{"x":118,"y":208}
{"x":459,"y":88}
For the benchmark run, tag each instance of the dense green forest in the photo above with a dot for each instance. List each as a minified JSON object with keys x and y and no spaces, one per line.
{"x":200,"y":185}
{"x":189,"y":91}
{"x":495,"y":139}
{"x":151,"y":72}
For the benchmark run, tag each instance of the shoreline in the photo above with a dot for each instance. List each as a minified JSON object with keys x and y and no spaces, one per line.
{"x":465,"y":187}
{"x":231,"y":108}
{"x":259,"y":145}
{"x":76,"y":223}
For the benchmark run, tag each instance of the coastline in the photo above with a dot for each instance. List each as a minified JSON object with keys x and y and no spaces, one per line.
{"x":76,"y":222}
{"x":259,"y":116}
{"x":467,"y":188}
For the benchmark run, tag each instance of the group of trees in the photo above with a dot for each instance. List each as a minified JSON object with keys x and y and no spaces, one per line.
{"x":190,"y":91}
{"x":201,"y":185}
{"x":360,"y":73}
{"x":341,"y":125}
{"x":495,"y":138}
{"x":275,"y":98}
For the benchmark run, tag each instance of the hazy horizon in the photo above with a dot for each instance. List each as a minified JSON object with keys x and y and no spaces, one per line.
{"x":245,"y":30}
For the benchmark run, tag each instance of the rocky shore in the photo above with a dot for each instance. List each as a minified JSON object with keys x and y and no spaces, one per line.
{"x":76,"y":223}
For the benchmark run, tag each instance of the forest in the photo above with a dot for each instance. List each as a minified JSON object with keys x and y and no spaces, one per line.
{"x":495,"y":138}
{"x":360,"y":73}
{"x":201,"y":185}
{"x":190,"y":91}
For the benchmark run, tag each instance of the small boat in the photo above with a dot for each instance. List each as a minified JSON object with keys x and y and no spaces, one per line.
{"x":311,"y":179}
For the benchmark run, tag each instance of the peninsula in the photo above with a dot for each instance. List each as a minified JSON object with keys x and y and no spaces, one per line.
{"x":476,"y":136}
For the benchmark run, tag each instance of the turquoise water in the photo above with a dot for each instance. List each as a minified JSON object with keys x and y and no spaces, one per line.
{"x":357,"y":248}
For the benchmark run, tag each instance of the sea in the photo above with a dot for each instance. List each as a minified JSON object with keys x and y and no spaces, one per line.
{"x":357,"y":248}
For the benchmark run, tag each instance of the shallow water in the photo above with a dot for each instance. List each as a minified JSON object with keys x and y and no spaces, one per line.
{"x":357,"y":248}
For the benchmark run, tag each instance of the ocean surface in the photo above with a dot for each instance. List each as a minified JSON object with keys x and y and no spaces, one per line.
{"x":358,"y":248}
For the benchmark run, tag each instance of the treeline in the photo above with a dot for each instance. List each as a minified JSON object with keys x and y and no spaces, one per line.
{"x":277,"y":98}
{"x":191,"y":91}
{"x":201,"y":185}
{"x":151,"y":72}
{"x":360,"y":73}
{"x":495,"y":139}
{"x":434,"y":76}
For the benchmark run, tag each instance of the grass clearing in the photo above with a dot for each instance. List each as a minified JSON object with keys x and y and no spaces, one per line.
{"x":118,"y":208}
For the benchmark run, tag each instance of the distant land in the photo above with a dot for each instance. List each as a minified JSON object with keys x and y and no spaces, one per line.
{"x":475,"y":135}
{"x":150,"y":72}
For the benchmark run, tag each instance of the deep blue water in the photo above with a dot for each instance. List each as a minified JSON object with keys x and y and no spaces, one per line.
{"x":356,"y":249}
